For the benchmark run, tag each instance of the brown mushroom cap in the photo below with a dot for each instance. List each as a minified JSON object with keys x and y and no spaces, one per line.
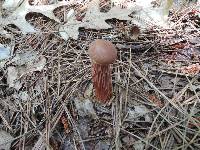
{"x":102,"y":52}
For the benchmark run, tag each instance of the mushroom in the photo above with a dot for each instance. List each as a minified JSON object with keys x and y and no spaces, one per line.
{"x":102,"y":54}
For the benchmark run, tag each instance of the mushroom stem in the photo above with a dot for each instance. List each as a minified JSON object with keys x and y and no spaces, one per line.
{"x":101,"y":75}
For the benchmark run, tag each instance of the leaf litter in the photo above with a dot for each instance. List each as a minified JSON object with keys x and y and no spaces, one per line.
{"x":46,"y":93}
{"x":4,"y":140}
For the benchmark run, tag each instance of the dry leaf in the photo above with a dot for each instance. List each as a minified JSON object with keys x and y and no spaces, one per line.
{"x":4,"y":52}
{"x":139,"y":145}
{"x":5,"y":140}
{"x":11,"y":4}
{"x":138,"y":112}
{"x":155,"y":100}
{"x":65,"y":123}
{"x":24,"y":64}
{"x":70,"y":29}
{"x":191,"y":69}
{"x":17,"y":17}
{"x":94,"y":19}
{"x":85,"y":108}
{"x":12,"y":79}
{"x":148,"y":15}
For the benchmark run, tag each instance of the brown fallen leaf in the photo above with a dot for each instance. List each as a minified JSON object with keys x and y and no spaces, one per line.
{"x":191,"y":69}
{"x":154,"y":99}
{"x":65,"y":124}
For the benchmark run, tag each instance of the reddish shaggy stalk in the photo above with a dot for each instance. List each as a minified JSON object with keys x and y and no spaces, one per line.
{"x":102,"y":54}
{"x":101,"y":75}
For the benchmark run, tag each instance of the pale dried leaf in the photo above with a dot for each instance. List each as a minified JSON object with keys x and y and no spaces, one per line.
{"x":139,"y":146}
{"x":38,"y":65}
{"x":18,"y":15}
{"x":88,"y":91}
{"x":102,"y":145}
{"x":94,"y":19}
{"x":4,"y":52}
{"x":85,"y":108}
{"x":4,"y":32}
{"x":150,"y":17}
{"x":147,"y":15}
{"x":30,"y":59}
{"x":25,"y":63}
{"x":70,"y":14}
{"x":70,"y":29}
{"x":22,"y":96}
{"x":5,"y":140}
{"x":129,"y":140}
{"x":144,"y":3}
{"x":12,"y":78}
{"x":65,"y":32}
{"x":137,"y":112}
{"x":11,"y":4}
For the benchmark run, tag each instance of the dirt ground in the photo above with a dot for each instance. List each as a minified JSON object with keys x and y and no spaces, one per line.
{"x":51,"y":104}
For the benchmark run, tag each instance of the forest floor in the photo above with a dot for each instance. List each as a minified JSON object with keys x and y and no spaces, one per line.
{"x":47,"y":97}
